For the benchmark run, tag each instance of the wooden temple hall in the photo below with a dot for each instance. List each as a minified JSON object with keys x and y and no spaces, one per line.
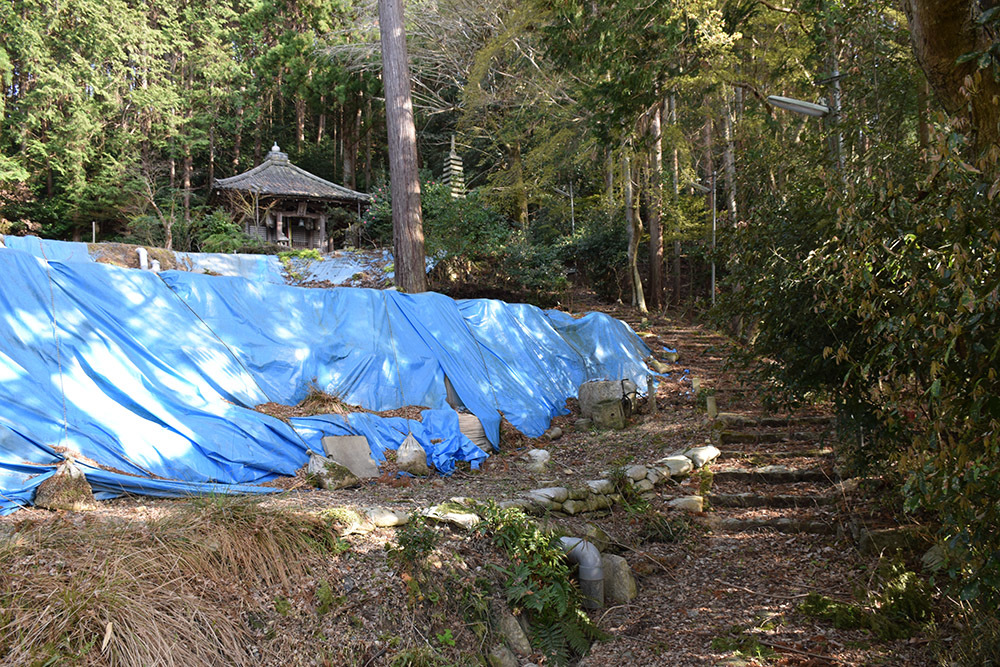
{"x":281,"y":203}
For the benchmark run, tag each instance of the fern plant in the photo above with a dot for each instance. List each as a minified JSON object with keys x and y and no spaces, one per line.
{"x":539,"y":585}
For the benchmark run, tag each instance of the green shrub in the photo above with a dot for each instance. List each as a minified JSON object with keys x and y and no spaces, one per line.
{"x":886,"y":298}
{"x":478,"y":251}
{"x":414,"y":542}
{"x":539,"y":585}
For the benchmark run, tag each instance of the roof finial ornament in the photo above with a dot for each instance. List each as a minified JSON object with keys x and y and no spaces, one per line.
{"x":276,"y":155}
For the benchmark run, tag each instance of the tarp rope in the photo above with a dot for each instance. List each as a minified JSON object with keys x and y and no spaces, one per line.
{"x":55,"y":335}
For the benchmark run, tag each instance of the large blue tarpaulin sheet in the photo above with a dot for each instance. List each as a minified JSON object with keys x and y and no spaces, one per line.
{"x":338,"y":268}
{"x":150,"y":380}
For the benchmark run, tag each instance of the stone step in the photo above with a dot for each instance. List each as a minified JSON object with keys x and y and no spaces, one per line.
{"x":821,"y":452}
{"x":774,"y":474}
{"x":778,"y":524}
{"x":768,"y":500}
{"x":732,"y":420}
{"x":752,"y":438}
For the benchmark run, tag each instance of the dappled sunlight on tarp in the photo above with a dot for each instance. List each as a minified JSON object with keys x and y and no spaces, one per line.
{"x":341,"y":341}
{"x":152,"y":378}
{"x":56,"y":251}
{"x":530,"y":374}
{"x":118,"y":370}
{"x":607,"y":347}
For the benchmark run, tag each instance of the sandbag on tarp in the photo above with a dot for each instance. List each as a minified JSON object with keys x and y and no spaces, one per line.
{"x":437,"y":433}
{"x":109,"y":363}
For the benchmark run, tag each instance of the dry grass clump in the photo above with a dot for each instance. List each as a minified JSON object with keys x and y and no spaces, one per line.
{"x":162,"y":593}
{"x":318,"y":402}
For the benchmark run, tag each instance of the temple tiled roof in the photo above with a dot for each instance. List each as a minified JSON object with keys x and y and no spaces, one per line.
{"x":279,"y":177}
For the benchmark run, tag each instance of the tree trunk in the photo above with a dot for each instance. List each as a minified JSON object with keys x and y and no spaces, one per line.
{"x":923,"y":128}
{"x":352,"y":130}
{"x":186,"y":184}
{"x":942,"y":31}
{"x":300,"y":123}
{"x":519,"y":190}
{"x":257,"y":140}
{"x":676,"y":177}
{"x":368,"y":143}
{"x":675,"y":172}
{"x":729,"y":158}
{"x":321,"y":124}
{"x":655,"y":209}
{"x":407,"y":225}
{"x":609,"y":177}
{"x":238,"y":139}
{"x":211,"y":157}
{"x":634,"y":231}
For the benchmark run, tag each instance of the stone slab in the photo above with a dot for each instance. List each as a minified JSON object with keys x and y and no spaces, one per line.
{"x":352,"y":452}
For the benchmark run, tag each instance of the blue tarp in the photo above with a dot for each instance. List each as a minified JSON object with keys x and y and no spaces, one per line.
{"x":259,"y":268}
{"x":57,"y":251}
{"x":152,"y":378}
{"x":339,"y":268}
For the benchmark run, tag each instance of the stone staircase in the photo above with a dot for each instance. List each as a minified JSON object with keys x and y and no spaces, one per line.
{"x":773,"y":473}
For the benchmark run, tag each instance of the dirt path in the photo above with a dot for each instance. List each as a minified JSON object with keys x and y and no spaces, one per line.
{"x":729,"y":591}
{"x":719,"y":587}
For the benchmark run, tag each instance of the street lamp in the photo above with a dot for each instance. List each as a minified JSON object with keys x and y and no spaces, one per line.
{"x":798,"y":106}
{"x":819,"y":111}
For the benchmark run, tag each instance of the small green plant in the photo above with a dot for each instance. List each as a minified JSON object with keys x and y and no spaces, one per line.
{"x":843,"y":616}
{"x":282,"y":605}
{"x":539,"y":584}
{"x":414,"y":542}
{"x":417,"y":656}
{"x":632,"y":501}
{"x":705,"y":479}
{"x":668,"y":529}
{"x":743,"y":644}
{"x":445,"y":638}
{"x":325,"y":598}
